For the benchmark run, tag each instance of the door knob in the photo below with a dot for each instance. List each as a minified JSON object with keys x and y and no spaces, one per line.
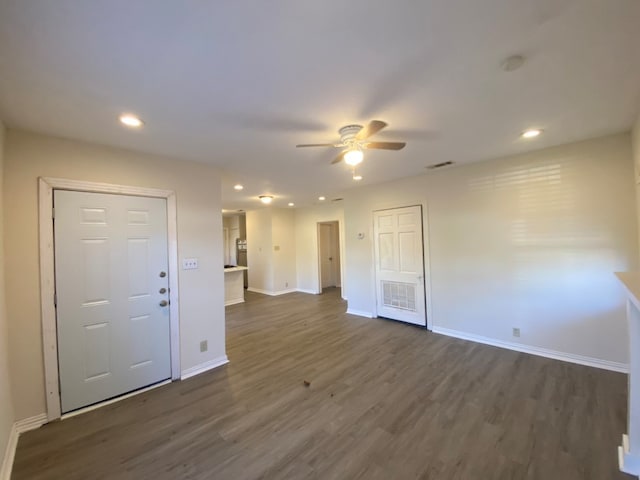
{"x":163,"y":274}
{"x":163,"y":303}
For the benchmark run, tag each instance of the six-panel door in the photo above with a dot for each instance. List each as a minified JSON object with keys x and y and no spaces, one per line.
{"x":112,"y":285}
{"x":399,"y":264}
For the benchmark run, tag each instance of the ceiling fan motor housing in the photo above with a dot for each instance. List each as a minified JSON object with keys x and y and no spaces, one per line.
{"x":348,"y":133}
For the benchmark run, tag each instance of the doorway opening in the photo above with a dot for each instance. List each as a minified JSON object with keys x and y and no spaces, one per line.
{"x":329,"y":269}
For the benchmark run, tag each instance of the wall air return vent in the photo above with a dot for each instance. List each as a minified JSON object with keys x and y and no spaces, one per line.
{"x":439,"y":165}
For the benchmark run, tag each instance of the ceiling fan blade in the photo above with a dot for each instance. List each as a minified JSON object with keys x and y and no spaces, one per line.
{"x":386,"y":145}
{"x":339,"y":158}
{"x":318,"y":145}
{"x":374,"y":127}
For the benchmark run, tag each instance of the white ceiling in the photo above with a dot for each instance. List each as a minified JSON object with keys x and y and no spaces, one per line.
{"x":239,"y":83}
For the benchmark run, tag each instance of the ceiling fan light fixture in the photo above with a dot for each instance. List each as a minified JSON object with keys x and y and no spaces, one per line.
{"x":353,"y":157}
{"x":266,"y":199}
{"x":531,"y":133}
{"x":130,"y":120}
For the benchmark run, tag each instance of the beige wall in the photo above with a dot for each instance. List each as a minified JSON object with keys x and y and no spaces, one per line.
{"x":197,"y":186}
{"x":306,"y":231}
{"x":271,"y":249}
{"x":284,"y":249}
{"x":635,"y":140}
{"x":635,"y":143}
{"x":529,"y":241}
{"x":259,"y":255}
{"x":6,"y":405}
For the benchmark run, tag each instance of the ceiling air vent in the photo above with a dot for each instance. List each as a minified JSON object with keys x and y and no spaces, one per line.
{"x":337,"y":199}
{"x":439,"y":165}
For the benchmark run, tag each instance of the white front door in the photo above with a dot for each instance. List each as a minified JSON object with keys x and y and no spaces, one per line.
{"x":112,"y":295}
{"x":399,"y":265}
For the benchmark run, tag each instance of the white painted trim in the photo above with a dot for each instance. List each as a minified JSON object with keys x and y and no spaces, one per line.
{"x":539,"y":351}
{"x":18,"y":428}
{"x":46,"y":185}
{"x":203,"y":367}
{"x":234,"y":302}
{"x":305,"y":290}
{"x":9,"y":454}
{"x":283,"y":292}
{"x":360,"y":313}
{"x":628,"y":463}
{"x":90,"y":408}
{"x":31,"y":423}
{"x":270,"y":293}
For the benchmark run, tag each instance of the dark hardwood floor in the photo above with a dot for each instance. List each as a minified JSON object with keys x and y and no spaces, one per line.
{"x":385,"y":401}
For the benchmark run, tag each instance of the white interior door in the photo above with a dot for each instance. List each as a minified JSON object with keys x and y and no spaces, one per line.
{"x":399,"y":264}
{"x":326,"y":255}
{"x":112,"y":295}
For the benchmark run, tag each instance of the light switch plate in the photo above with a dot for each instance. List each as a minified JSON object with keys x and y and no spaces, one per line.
{"x":189,"y":263}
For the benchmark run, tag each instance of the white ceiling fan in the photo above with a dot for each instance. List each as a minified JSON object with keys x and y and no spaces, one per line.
{"x":353,"y":138}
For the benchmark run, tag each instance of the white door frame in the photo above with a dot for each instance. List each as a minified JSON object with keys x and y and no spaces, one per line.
{"x":319,"y":260}
{"x":425,"y":256}
{"x":46,"y":185}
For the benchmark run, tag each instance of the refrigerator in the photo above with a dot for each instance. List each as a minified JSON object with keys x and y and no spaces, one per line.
{"x":241,"y":258}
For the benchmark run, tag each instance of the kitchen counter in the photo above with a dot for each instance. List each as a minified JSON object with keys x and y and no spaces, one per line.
{"x":234,"y":285}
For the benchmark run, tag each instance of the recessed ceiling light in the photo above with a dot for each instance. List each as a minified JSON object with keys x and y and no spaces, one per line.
{"x":531,"y":133}
{"x":238,"y":187}
{"x":131,"y":120}
{"x":266,"y":199}
{"x":291,"y":204}
{"x":357,"y":177}
{"x":321,"y":198}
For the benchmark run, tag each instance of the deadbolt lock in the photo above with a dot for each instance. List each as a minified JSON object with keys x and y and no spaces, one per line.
{"x":163,"y":290}
{"x":163,"y":274}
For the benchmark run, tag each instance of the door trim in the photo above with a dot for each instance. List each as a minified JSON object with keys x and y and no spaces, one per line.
{"x":46,"y":185}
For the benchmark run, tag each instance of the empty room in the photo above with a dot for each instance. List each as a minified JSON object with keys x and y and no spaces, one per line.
{"x":320,"y":240}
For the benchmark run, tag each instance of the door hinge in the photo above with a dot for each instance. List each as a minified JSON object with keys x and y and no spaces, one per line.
{"x":55,"y":299}
{"x":53,"y":212}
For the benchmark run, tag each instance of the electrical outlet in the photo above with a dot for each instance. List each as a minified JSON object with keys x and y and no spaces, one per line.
{"x":516,"y":332}
{"x":204,"y":346}
{"x":189,"y":263}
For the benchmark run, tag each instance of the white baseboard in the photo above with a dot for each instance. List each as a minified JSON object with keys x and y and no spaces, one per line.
{"x":270,"y":293}
{"x":17,"y":428}
{"x":203,"y":367}
{"x":304,"y":290}
{"x":234,"y":302}
{"x":542,"y":352}
{"x":31,"y":423}
{"x":359,"y":313}
{"x":627,"y":462}
{"x":9,"y":454}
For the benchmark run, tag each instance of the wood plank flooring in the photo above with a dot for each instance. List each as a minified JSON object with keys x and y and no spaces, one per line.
{"x":385,"y":401}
